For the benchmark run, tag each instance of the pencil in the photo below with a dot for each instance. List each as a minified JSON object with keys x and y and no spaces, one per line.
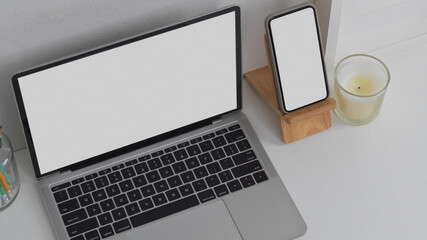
{"x":4,"y":183}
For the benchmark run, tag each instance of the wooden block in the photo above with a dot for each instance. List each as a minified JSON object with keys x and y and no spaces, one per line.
{"x":296,"y":125}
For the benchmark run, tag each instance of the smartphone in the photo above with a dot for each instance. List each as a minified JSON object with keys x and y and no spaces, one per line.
{"x":293,"y":40}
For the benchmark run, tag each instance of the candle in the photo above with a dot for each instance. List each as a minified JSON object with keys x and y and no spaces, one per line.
{"x":360,"y":86}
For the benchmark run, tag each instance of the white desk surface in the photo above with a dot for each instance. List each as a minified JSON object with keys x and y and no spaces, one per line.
{"x":367,"y":182}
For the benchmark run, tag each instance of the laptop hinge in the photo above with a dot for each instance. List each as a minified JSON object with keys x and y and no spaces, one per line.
{"x":65,"y":172}
{"x":217,"y":120}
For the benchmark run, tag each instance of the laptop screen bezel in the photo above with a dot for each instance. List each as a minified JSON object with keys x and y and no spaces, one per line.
{"x":145,"y":142}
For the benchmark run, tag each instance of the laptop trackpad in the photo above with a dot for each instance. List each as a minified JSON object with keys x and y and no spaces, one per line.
{"x":211,"y":222}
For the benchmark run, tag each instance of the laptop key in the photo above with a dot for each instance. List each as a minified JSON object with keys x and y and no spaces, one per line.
{"x":158,"y":153}
{"x":196,"y":140}
{"x":82,"y":227}
{"x":128,"y":172}
{"x":131,"y":162}
{"x":68,"y":206}
{"x":243,"y":145}
{"x":121,"y":200}
{"x":132,"y":209}
{"x":173,"y":194}
{"x":106,"y":231}
{"x":225,"y":176}
{"x":105,"y":218}
{"x":170,"y":149}
{"x":184,"y":144}
{"x":218,"y":154}
{"x":88,"y":186}
{"x":231,"y":149}
{"x":139,"y":181}
{"x":148,"y":190}
{"x":179,"y":167}
{"x":167,"y":159}
{"x":199,"y":185}
{"x":193,"y":150}
{"x":99,"y":195}
{"x":126,"y":185}
{"x":85,"y":200}
{"x":205,"y":158}
{"x":221,"y":190}
{"x":174,"y":181}
{"x":117,"y":167}
{"x":226,"y":163}
{"x":105,"y":171}
{"x":101,"y":182}
{"x":92,"y":235}
{"x":234,"y":185}
{"x":163,"y":211}
{"x":213,"y":167}
{"x":200,"y":172}
{"x":74,"y":217}
{"x":159,"y":199}
{"x":206,"y":195}
{"x":234,"y":127}
{"x":93,"y":210}
{"x":154,"y":163}
{"x":247,"y":181}
{"x":208,"y":136}
{"x":180,"y":154}
{"x":153,"y":176}
{"x":115,"y":177}
{"x":192,"y":163}
{"x":60,"y":196}
{"x":118,"y":213}
{"x":186,"y":190}
{"x":235,"y":136}
{"x":144,"y":158}
{"x":91,"y":176}
{"x":161,"y":186}
{"x":112,"y":190}
{"x":260,"y":176}
{"x":219,"y":141}
{"x":166,"y":172}
{"x":146,"y":204}
{"x":212,"y":180}
{"x":246,"y":168}
{"x":206,"y":146}
{"x":187,"y":176}
{"x":244,"y":157}
{"x":134,"y":195}
{"x":61,"y":186}
{"x":107,"y":205}
{"x":141,"y":168}
{"x":221,"y":131}
{"x":122,"y":226}
{"x":77,"y":181}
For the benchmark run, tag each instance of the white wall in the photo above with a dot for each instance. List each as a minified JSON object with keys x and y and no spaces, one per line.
{"x":35,"y":32}
{"x":369,"y":25}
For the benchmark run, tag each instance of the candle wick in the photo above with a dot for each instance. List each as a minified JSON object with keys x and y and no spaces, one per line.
{"x":358,"y":88}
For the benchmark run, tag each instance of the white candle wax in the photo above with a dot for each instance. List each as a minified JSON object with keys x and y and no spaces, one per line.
{"x":359,"y":89}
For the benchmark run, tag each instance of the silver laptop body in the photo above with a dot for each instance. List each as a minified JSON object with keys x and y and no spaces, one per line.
{"x":144,"y":139}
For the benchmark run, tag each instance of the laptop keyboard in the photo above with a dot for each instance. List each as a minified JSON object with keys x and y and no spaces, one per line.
{"x":154,"y":186}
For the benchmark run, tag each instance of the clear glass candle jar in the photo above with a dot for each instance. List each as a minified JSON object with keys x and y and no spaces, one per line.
{"x":361,"y":82}
{"x":9,"y":178}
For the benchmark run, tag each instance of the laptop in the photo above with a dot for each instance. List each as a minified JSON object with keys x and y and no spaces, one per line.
{"x":144,"y":139}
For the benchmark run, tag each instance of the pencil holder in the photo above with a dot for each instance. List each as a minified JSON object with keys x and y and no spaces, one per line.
{"x":9,"y":178}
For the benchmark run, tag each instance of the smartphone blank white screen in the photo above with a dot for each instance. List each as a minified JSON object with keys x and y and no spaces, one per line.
{"x":124,"y":95}
{"x":298,"y":58}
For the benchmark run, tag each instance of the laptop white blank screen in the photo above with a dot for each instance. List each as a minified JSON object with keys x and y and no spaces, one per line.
{"x":121,"y":96}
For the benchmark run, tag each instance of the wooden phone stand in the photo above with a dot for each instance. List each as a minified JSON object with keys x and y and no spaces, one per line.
{"x":296,"y":125}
